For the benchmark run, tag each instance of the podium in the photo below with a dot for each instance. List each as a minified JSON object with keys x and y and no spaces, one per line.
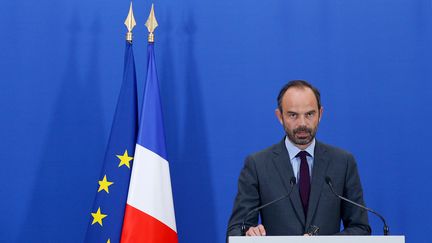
{"x":317,"y":239}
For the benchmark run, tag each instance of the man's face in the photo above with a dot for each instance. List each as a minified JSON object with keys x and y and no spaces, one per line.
{"x":300,"y":115}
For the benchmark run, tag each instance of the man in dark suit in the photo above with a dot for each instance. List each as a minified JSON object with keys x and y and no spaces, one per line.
{"x":268,"y":175}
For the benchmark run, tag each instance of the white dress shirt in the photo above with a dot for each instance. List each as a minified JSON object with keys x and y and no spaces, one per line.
{"x":295,"y":161}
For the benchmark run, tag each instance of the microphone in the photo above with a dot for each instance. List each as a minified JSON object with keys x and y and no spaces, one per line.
{"x":385,"y":229}
{"x":243,"y":227}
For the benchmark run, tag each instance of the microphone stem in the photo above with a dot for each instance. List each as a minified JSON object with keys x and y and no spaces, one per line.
{"x":243,"y":226}
{"x":256,"y":210}
{"x":386,"y":228}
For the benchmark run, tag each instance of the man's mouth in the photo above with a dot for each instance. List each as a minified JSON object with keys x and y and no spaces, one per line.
{"x":302,"y":134}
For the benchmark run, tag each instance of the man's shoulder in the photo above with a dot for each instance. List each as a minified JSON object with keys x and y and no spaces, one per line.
{"x":336,"y":154}
{"x":270,"y":151}
{"x":331,"y":149}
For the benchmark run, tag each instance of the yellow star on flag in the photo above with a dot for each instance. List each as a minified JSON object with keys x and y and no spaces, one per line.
{"x":124,"y":159}
{"x":104,"y":184}
{"x":98,"y":216}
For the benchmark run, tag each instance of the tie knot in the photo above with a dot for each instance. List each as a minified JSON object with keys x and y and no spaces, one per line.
{"x":302,"y":154}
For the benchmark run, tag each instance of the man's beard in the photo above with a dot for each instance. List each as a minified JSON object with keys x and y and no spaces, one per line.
{"x":304,"y":140}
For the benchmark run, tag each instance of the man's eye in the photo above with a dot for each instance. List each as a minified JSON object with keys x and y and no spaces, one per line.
{"x":292,"y":115}
{"x":310,"y":114}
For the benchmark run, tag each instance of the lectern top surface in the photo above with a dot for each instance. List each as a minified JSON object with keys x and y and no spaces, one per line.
{"x":317,"y":239}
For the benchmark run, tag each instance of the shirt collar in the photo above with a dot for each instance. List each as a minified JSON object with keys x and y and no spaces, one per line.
{"x":293,"y":150}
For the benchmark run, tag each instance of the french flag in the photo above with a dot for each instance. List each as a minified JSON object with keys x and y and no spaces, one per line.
{"x":149,"y":214}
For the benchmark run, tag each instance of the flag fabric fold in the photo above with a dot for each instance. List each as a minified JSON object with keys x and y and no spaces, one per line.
{"x":106,"y":217}
{"x":149,"y":215}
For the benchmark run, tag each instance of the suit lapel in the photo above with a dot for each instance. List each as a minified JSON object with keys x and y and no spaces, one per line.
{"x":319,"y":171}
{"x":284,"y":168}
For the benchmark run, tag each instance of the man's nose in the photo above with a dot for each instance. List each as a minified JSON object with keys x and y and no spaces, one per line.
{"x":302,"y":120}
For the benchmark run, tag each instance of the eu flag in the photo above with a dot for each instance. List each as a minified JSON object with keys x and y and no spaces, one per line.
{"x":106,"y":216}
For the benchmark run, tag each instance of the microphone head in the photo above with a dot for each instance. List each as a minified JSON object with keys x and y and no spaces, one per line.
{"x":328,"y":180}
{"x":293,"y":181}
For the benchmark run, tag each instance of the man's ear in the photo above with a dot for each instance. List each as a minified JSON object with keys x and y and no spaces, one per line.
{"x":321,"y":113}
{"x":278,"y":114}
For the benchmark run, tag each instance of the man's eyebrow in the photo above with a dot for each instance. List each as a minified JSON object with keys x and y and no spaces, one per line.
{"x":293,"y":112}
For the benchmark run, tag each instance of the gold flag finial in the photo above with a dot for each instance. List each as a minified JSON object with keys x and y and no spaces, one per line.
{"x":130,"y":24}
{"x":151,"y":24}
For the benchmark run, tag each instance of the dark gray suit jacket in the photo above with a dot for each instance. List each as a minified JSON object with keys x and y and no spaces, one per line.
{"x":266,"y":176}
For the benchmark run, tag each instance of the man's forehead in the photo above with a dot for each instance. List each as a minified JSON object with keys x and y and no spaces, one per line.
{"x":299,"y":96}
{"x":299,"y":89}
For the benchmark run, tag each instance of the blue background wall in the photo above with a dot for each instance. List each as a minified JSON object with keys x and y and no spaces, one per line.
{"x":221,"y":64}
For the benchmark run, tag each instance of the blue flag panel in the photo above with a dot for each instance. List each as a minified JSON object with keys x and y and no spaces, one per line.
{"x":151,"y":122}
{"x":106,"y":216}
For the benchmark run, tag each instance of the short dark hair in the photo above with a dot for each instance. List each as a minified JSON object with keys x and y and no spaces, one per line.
{"x":298,"y":84}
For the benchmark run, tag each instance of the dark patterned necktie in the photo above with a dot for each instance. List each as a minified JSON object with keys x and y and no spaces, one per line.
{"x":304,"y":182}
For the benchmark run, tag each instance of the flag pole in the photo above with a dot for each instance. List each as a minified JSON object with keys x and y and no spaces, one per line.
{"x":149,"y":215}
{"x":107,"y":213}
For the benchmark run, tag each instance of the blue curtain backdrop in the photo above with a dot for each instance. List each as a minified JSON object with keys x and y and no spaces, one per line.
{"x":221,"y":64}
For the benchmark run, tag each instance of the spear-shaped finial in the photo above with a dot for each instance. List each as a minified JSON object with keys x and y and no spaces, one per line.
{"x":151,"y":24}
{"x":130,"y":24}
